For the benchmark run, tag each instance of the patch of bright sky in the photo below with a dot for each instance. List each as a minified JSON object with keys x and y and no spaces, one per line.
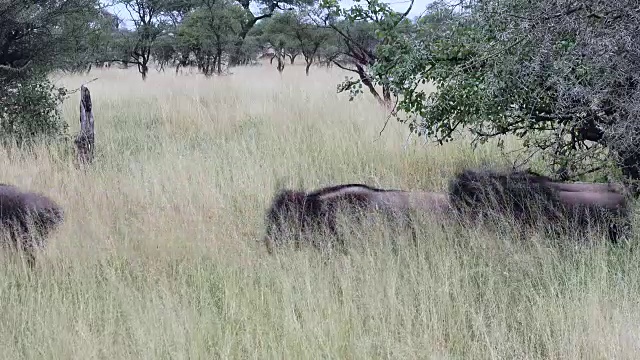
{"x":397,"y":5}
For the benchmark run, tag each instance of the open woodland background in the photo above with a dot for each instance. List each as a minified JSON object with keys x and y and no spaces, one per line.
{"x":160,"y":258}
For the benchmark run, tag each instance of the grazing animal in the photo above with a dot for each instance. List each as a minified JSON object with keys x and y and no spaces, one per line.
{"x":27,"y":218}
{"x":533,"y":200}
{"x":299,"y":213}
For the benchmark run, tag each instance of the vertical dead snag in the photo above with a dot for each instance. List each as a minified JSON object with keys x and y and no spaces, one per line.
{"x":85,"y":140}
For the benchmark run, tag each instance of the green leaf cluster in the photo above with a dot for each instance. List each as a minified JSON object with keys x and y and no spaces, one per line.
{"x":561,"y":78}
{"x":36,"y":37}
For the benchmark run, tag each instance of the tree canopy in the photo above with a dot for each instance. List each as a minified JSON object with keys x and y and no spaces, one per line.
{"x":563,"y":77}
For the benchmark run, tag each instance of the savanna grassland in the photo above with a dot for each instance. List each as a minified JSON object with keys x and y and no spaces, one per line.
{"x":160,"y":254}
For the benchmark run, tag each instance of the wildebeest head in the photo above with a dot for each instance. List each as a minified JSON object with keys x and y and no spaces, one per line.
{"x":287,"y":211}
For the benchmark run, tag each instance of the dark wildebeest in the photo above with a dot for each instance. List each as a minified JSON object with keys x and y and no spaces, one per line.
{"x":27,"y":218}
{"x":533,"y":200}
{"x":298,"y":213}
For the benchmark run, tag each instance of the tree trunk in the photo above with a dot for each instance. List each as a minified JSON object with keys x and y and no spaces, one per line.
{"x":367,"y":82}
{"x":280,"y":64}
{"x":219,"y":59}
{"x":143,"y":69}
{"x":309,"y":61}
{"x":85,"y":140}
{"x":386,"y":94}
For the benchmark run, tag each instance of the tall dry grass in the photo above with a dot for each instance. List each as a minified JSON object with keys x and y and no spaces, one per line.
{"x":160,"y":257}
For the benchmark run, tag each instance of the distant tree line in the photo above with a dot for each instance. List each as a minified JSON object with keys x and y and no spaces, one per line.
{"x":214,"y":35}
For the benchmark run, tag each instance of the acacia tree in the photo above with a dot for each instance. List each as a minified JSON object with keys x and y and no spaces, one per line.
{"x":267,"y":8}
{"x":84,"y":37}
{"x":309,"y":37}
{"x":167,"y":49}
{"x":210,"y":31}
{"x":330,"y":50}
{"x":276,"y":34}
{"x":146,"y":17}
{"x":164,"y":51}
{"x":563,"y":77}
{"x":361,"y":29}
{"x":292,"y":50}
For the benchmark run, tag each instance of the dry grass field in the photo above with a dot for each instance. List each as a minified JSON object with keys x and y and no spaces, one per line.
{"x":159,"y":256}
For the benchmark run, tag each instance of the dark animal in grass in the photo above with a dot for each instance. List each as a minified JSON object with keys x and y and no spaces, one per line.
{"x":26,"y":219}
{"x":532,"y":201}
{"x":296,"y":214}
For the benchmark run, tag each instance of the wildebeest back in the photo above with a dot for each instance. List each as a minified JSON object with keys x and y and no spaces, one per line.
{"x":21,"y":212}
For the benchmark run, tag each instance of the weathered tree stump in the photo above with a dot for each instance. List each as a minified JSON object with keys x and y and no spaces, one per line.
{"x":85,"y":140}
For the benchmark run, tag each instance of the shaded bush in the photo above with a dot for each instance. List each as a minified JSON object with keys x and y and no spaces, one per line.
{"x":29,"y":111}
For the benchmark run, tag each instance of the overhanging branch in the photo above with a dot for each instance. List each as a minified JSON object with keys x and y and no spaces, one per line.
{"x":343,"y":67}
{"x":11,"y":69}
